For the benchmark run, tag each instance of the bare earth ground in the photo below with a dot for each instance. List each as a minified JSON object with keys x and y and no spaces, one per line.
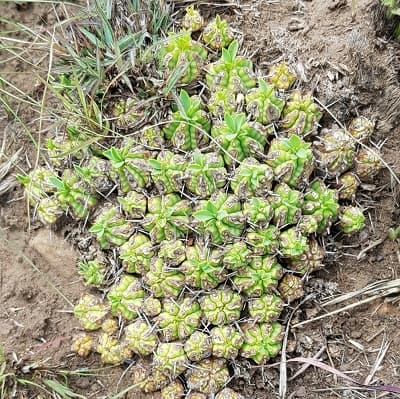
{"x":352,"y":71}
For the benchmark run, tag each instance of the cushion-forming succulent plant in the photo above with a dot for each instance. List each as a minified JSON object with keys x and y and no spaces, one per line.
{"x":231,"y":71}
{"x":179,"y":319}
{"x":286,"y":204}
{"x":220,"y":218}
{"x":226,"y":342}
{"x":198,"y":346}
{"x":126,"y":297}
{"x":264,"y":241}
{"x":150,"y":138}
{"x":281,"y":76}
{"x":334,"y":151}
{"x":170,"y":358}
{"x":258,"y":212}
{"x":252,"y":178}
{"x":129,"y":167}
{"x":182,"y":58}
{"x":352,"y":219}
{"x":111,"y":228}
{"x":236,"y":256}
{"x":260,"y":277}
{"x":292,"y":160}
{"x":95,"y":173}
{"x":203,"y":268}
{"x":361,"y":128}
{"x":141,"y":338}
{"x":167,"y":217}
{"x":322,"y":204}
{"x":192,"y":20}
{"x":291,"y":288}
{"x":265,"y":309}
{"x":238,"y":139}
{"x":205,"y":173}
{"x":262,"y":341}
{"x":111,"y":350}
{"x":174,"y":390}
{"x":72,"y":196}
{"x":228,"y":393}
{"x":82,"y":345}
{"x":222,"y":306}
{"x":164,"y":282}
{"x":173,"y":252}
{"x":133,"y":204}
{"x":189,"y":126}
{"x":110,"y":326}
{"x":151,"y":307}
{"x":223,"y":101}
{"x":292,"y":243}
{"x":218,"y":34}
{"x":126,"y":113}
{"x":148,"y":379}
{"x":208,"y":377}
{"x":367,"y":164}
{"x":93,"y":272}
{"x":168,"y":171}
{"x":309,"y":261}
{"x":263,"y":104}
{"x":49,"y":210}
{"x":347,"y":186}
{"x":136,"y":254}
{"x":301,"y":115}
{"x":90,"y":311}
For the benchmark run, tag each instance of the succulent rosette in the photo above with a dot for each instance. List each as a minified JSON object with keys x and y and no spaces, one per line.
{"x":170,"y":358}
{"x":168,"y":171}
{"x":223,"y":101}
{"x":83,"y":345}
{"x":90,"y":311}
{"x":367,"y":164}
{"x":291,"y":288}
{"x":361,"y":128}
{"x":347,"y":186}
{"x":226,"y":342}
{"x":182,"y":58}
{"x":236,"y":256}
{"x":174,"y":390}
{"x":173,"y":252}
{"x":111,"y":228}
{"x":209,"y":377}
{"x":111,"y":350}
{"x":126,"y":297}
{"x":129,"y":167}
{"x":167,"y":218}
{"x":133,"y":204}
{"x":321,"y":203}
{"x":310,"y":260}
{"x":110,"y":326}
{"x":93,"y":272}
{"x":292,"y":160}
{"x":49,"y":210}
{"x":205,"y":173}
{"x":238,"y":139}
{"x":179,"y":319}
{"x":265,"y":309}
{"x":192,"y":20}
{"x":281,"y":76}
{"x":260,"y":277}
{"x":164,"y":282}
{"x":231,"y":72}
{"x":301,"y":115}
{"x":352,"y":219}
{"x":136,"y":254}
{"x":203,"y":268}
{"x":189,"y":127}
{"x":220,"y":218}
{"x":258,"y":212}
{"x":262,"y":341}
{"x":126,"y":113}
{"x":150,"y":138}
{"x":148,"y":379}
{"x":264,"y":241}
{"x":292,"y":243}
{"x":263,"y":104}
{"x":151,"y":306}
{"x":287,"y":204}
{"x":252,"y":178}
{"x":218,"y":34}
{"x":95,"y":173}
{"x":198,"y":346}
{"x":222,"y":306}
{"x":141,"y":338}
{"x":334,"y":151}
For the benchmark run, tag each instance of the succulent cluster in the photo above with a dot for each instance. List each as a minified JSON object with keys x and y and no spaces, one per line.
{"x":211,"y":219}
